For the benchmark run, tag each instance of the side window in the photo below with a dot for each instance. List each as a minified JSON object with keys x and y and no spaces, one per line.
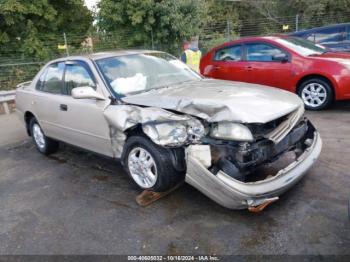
{"x":261,"y":52}
{"x":232,"y":53}
{"x":53,"y":79}
{"x":311,"y":37}
{"x":329,"y":35}
{"x":347,"y":33}
{"x":77,"y":76}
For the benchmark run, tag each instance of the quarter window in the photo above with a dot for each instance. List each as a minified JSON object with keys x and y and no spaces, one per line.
{"x":262,"y":52}
{"x":329,"y":35}
{"x":51,"y":80}
{"x":232,"y":53}
{"x":77,"y":76}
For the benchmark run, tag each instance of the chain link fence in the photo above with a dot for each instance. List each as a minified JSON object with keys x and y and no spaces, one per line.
{"x":17,"y":66}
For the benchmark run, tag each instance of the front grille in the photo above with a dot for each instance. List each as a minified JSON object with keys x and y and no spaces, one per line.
{"x":277,"y":129}
{"x":260,"y":130}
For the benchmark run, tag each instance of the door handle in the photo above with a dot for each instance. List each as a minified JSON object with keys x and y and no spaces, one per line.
{"x":249,"y":68}
{"x":63,"y":107}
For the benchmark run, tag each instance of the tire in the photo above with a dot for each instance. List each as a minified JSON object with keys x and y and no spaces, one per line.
{"x":316,"y":93}
{"x":139,"y":152}
{"x":44,"y":144}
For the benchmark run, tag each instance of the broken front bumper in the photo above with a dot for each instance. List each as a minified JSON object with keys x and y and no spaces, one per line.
{"x":235,"y":194}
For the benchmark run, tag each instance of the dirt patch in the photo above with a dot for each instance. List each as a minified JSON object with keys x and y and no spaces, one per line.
{"x":101,"y":177}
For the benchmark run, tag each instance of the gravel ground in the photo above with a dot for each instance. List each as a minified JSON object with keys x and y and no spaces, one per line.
{"x":75,"y":202}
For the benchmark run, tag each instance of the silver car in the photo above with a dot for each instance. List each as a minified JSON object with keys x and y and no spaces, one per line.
{"x":240,"y":144}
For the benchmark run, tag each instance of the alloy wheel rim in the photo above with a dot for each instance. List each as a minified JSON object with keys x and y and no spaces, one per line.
{"x":142,"y":167}
{"x":314,"y":94}
{"x":38,"y":136}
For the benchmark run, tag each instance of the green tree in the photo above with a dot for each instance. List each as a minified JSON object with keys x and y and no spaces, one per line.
{"x":161,"y":23}
{"x":34,"y":28}
{"x":31,"y":31}
{"x":269,"y":16}
{"x":220,"y":23}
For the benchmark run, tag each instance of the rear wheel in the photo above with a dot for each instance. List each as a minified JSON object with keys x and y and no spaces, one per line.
{"x":44,"y":144}
{"x":316,"y":94}
{"x":150,"y":165}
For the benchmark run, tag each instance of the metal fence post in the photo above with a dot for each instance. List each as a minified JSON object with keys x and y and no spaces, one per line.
{"x":228,"y":30}
{"x":152,"y":42}
{"x":65,"y":43}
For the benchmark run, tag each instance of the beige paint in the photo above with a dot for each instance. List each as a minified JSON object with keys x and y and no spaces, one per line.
{"x":92,"y":122}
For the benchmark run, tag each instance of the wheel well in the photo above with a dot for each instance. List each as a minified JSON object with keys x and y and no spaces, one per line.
{"x":177,"y":154}
{"x":305,"y":78}
{"x":27,"y":117}
{"x":135,"y":130}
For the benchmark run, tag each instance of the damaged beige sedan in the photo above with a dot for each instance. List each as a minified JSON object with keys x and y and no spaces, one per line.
{"x":240,"y":144}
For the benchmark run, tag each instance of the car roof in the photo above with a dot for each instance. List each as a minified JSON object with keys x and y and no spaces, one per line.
{"x":251,"y":39}
{"x":101,"y":55}
{"x":319,"y":28}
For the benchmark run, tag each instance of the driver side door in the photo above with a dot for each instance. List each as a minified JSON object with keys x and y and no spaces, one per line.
{"x":263,"y":69}
{"x":82,"y":119}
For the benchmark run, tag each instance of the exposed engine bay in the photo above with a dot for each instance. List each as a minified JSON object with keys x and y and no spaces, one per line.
{"x":240,"y":160}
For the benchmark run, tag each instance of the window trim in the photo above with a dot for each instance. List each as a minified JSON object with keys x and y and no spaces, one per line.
{"x":85,"y":66}
{"x":269,"y":44}
{"x":43,"y":74}
{"x":226,"y":47}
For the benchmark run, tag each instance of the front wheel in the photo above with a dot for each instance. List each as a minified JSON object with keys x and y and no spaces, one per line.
{"x":150,"y":165}
{"x":316,"y":94}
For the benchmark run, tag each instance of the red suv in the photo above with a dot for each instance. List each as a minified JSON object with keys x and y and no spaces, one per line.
{"x":317,"y":75}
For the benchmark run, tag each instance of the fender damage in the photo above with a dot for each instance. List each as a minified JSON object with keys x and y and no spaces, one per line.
{"x":229,"y":172}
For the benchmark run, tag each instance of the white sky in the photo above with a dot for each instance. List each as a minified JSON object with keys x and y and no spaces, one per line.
{"x":91,"y":3}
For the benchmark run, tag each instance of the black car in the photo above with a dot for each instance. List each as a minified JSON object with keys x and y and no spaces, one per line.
{"x":335,"y":37}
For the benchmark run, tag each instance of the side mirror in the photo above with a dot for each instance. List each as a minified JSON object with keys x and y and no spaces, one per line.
{"x":281,"y":57}
{"x":86,"y":92}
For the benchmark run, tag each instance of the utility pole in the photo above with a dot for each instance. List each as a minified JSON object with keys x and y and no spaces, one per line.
{"x":297,"y":23}
{"x":65,"y":43}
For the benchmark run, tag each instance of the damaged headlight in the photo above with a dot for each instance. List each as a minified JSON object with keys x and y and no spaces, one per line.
{"x":175,"y":133}
{"x":166,"y":133}
{"x":231,"y":131}
{"x":195,"y":130}
{"x":179,"y":134}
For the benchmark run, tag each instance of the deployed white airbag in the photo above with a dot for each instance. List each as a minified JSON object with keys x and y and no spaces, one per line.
{"x":125,"y":85}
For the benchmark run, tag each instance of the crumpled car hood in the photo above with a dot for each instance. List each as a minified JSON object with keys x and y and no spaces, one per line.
{"x":219,"y":100}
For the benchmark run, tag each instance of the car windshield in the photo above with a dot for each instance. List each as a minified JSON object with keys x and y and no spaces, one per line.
{"x":302,"y":46}
{"x":136,"y":73}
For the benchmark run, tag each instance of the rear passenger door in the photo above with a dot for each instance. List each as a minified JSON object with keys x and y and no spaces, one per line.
{"x":227,"y":63}
{"x":82,"y":120}
{"x":47,"y":99}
